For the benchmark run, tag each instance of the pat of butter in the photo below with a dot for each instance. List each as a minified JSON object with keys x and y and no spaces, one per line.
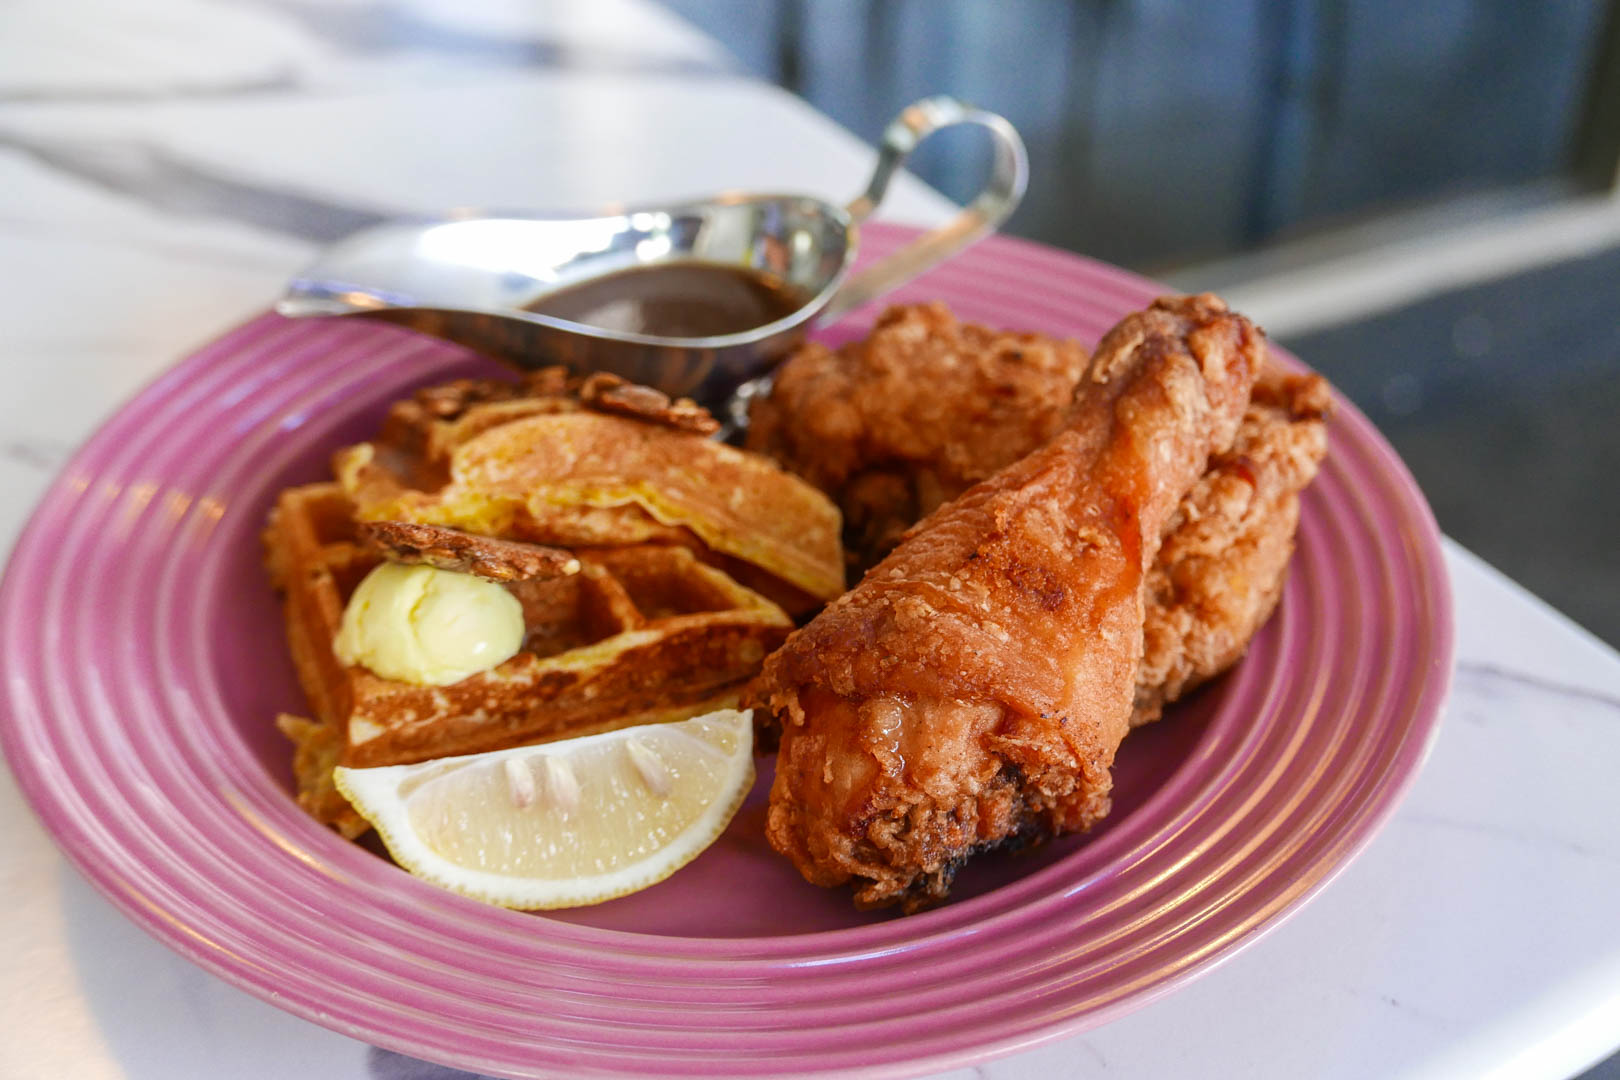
{"x":432,"y":627}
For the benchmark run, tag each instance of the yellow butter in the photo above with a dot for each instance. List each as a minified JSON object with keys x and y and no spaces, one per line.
{"x":431,"y":627}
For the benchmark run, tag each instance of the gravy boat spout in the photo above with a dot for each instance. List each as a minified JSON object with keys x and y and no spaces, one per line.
{"x":485,"y":280}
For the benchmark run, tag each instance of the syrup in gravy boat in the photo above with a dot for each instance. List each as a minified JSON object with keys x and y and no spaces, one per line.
{"x":694,"y":298}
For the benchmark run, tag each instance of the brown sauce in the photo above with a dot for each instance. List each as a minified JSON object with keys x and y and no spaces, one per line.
{"x":677,"y":299}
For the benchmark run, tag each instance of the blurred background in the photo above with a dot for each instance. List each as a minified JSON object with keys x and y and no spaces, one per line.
{"x":1291,"y":150}
{"x":1166,"y":132}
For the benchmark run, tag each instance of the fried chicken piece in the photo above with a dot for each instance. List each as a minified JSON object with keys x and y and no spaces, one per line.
{"x":906,"y":419}
{"x":609,"y":393}
{"x":914,"y":414}
{"x":1225,"y":554}
{"x":971,"y":691}
{"x":489,"y":557}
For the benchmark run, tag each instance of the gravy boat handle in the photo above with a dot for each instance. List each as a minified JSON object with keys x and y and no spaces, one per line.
{"x":1008,"y":176}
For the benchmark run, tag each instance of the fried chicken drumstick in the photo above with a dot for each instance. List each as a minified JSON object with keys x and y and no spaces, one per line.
{"x":973,"y":688}
{"x":909,"y":417}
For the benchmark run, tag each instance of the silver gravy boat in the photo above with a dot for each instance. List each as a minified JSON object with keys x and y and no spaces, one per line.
{"x":469,"y":276}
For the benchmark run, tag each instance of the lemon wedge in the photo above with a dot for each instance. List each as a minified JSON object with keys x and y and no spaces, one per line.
{"x":567,"y":823}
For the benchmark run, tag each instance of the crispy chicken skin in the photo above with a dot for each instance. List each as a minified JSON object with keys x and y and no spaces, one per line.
{"x":973,"y":688}
{"x":914,"y":414}
{"x":1225,"y":554}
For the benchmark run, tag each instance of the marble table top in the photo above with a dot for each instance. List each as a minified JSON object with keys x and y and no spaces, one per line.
{"x":166,"y":166}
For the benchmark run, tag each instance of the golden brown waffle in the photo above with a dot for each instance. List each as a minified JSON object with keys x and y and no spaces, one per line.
{"x":574,"y":465}
{"x":639,"y":634}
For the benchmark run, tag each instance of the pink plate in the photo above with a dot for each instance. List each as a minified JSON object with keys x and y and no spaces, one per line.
{"x":142,"y":658}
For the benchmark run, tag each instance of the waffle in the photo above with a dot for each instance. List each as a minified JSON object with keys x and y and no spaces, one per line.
{"x":572,"y":465}
{"x":637,"y":634}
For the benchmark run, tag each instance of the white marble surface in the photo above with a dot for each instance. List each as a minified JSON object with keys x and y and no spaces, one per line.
{"x":165,"y":166}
